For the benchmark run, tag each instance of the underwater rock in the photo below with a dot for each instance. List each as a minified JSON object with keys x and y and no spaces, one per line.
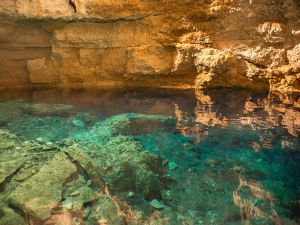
{"x":8,"y":140}
{"x":40,"y":109}
{"x":9,"y":167}
{"x":172,"y":165}
{"x":9,"y":217}
{"x":130,"y":194}
{"x":127,"y":167}
{"x":106,"y":211}
{"x":40,"y":193}
{"x":78,"y":123}
{"x":79,"y":197}
{"x":131,"y":124}
{"x":88,"y":164}
{"x":157,"y":204}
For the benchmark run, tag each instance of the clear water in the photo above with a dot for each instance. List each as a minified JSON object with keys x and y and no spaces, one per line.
{"x":233,"y":156}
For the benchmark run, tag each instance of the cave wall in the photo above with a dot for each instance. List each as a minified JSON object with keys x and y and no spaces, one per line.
{"x":155,"y":43}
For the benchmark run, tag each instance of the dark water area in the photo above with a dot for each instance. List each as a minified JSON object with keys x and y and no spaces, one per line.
{"x":226,"y":156}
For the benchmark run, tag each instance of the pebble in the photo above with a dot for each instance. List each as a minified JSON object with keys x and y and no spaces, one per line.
{"x":67,"y":205}
{"x":130,"y":194}
{"x":172,"y":165}
{"x":78,"y":123}
{"x":156,"y":204}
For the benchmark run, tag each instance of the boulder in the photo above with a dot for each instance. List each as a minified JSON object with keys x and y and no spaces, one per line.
{"x":9,"y":217}
{"x":40,"y":109}
{"x":127,"y":167}
{"x":7,"y":168}
{"x":88,"y":164}
{"x":130,"y":124}
{"x":42,"y":192}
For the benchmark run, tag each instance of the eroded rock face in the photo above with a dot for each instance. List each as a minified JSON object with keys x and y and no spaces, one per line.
{"x":251,"y":44}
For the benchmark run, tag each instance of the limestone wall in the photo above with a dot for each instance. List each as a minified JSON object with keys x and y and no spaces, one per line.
{"x":190,"y":43}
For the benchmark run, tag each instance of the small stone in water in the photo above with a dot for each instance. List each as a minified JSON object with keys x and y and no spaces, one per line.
{"x":172,"y":165}
{"x":67,"y":205}
{"x":255,"y":202}
{"x":156,"y":204}
{"x":78,"y":123}
{"x":130,"y":194}
{"x":39,"y":139}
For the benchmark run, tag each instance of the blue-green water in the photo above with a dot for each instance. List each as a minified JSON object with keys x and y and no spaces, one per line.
{"x":229,"y":156}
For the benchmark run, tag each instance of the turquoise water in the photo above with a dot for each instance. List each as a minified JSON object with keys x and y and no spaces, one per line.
{"x":224,"y":156}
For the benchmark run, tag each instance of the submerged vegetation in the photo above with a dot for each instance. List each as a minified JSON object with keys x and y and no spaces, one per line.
{"x":201,"y":163}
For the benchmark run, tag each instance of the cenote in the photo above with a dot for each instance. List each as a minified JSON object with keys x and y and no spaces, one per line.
{"x":149,"y":156}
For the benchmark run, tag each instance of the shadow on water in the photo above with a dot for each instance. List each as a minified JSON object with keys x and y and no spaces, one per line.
{"x":149,"y":156}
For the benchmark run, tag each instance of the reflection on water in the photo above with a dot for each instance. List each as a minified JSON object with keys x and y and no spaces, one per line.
{"x":149,"y":157}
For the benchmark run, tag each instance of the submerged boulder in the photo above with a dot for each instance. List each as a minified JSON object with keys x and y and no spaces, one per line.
{"x":88,"y":164}
{"x":9,"y":217}
{"x":40,"y":109}
{"x":106,"y":211}
{"x":39,"y":194}
{"x":130,"y":124}
{"x":9,"y":167}
{"x":126,"y":166}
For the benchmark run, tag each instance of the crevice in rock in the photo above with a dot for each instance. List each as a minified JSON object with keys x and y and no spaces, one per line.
{"x":9,"y":178}
{"x":18,"y":211}
{"x":251,"y":62}
{"x":72,"y":4}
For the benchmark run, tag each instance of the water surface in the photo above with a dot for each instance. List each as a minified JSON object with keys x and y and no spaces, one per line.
{"x":229,"y":156}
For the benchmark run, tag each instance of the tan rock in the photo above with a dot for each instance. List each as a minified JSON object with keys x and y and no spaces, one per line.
{"x":293,"y":56}
{"x":265,"y":57}
{"x":218,"y":68}
{"x":40,"y":71}
{"x":149,"y":43}
{"x":149,"y":60}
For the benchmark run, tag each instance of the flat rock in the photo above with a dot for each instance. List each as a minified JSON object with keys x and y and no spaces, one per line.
{"x":42,"y":192}
{"x":130,"y":124}
{"x":47,"y":109}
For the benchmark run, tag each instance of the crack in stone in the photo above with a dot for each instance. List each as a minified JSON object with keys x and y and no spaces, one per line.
{"x":72,"y":4}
